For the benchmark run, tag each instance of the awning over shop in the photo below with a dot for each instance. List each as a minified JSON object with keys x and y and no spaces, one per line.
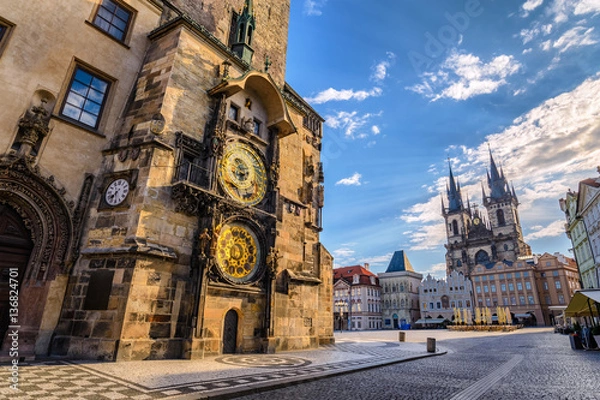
{"x":430,"y":321}
{"x":582,"y":303}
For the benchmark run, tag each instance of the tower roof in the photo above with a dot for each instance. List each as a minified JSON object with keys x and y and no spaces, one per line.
{"x":496,"y":180}
{"x":399,"y":263}
{"x":454,"y":197}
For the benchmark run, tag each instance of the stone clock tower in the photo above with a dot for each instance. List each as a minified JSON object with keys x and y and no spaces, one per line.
{"x":202,"y":236}
{"x":483,"y":238}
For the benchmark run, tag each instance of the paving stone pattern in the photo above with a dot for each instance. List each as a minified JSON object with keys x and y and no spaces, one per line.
{"x":537,"y":366}
{"x":55,"y":379}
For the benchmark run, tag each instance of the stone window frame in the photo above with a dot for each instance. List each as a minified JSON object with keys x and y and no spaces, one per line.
{"x":6,"y":29}
{"x":120,"y":5}
{"x":106,"y":99}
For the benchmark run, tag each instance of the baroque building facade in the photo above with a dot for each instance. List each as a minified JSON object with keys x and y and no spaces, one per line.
{"x":160,"y":190}
{"x":400,"y":298}
{"x":582,"y":213}
{"x":357,"y":298}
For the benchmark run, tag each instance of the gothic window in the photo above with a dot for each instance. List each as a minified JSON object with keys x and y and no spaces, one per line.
{"x":85,"y":97}
{"x":455,"y":227}
{"x":241,"y":32}
{"x":500,"y":215}
{"x":113,"y":18}
{"x":482,"y":257}
{"x":250,"y":36}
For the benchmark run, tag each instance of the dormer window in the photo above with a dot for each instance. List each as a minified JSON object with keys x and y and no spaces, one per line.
{"x":372,"y":280}
{"x":355,"y":279}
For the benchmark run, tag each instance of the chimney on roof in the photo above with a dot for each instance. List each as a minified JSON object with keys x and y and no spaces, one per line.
{"x":367,"y":266}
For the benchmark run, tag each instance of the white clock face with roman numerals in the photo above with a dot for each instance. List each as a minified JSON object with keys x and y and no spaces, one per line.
{"x":116,"y":192}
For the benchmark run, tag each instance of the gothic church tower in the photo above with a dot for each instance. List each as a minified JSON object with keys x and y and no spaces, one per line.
{"x":476,"y":238}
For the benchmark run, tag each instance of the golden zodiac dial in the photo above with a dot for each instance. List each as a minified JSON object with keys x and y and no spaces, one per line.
{"x":242,"y":174}
{"x":238,"y":252}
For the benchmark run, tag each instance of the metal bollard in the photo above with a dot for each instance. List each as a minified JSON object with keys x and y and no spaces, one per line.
{"x":401,"y":336}
{"x":430,"y":345}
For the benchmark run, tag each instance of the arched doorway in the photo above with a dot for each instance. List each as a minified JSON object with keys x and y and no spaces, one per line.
{"x":395,"y":318}
{"x":230,"y":327}
{"x":15,"y":250}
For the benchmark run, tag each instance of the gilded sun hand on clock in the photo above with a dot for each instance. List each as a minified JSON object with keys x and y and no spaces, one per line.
{"x":242,"y":174}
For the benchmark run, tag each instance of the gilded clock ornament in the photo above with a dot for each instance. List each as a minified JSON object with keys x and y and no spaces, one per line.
{"x":242,"y":174}
{"x":117,"y":191}
{"x":238,"y":252}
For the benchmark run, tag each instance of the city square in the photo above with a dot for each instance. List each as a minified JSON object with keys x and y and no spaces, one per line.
{"x":300,"y":199}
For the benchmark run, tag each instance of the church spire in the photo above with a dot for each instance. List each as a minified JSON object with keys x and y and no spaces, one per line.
{"x":496,"y":181}
{"x":454,"y":196}
{"x":244,"y":31}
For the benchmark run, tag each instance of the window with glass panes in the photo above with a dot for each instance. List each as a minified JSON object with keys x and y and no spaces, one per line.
{"x":113,"y":19}
{"x":85,"y":98}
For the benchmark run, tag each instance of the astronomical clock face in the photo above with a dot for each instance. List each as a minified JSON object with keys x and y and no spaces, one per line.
{"x":242,"y":174}
{"x":238,"y":252}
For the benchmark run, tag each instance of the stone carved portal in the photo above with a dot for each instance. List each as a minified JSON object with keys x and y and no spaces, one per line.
{"x":15,"y":250}
{"x":230,"y":332}
{"x":38,"y":206}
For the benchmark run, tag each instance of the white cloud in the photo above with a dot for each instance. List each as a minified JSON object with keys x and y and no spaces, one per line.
{"x":380,"y":70}
{"x":562,"y":9}
{"x":587,"y":7}
{"x":464,"y":75}
{"x":354,"y":180}
{"x":547,"y":45}
{"x":531,"y":5}
{"x":374,"y":260}
{"x":350,"y":122}
{"x":332,"y":94}
{"x":575,"y":37}
{"x":537,"y":29}
{"x":554,"y":229}
{"x":313,"y":7}
{"x":375,"y":129}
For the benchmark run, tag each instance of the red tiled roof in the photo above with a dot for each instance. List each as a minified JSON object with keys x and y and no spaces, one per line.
{"x":590,"y":182}
{"x":347,"y":273}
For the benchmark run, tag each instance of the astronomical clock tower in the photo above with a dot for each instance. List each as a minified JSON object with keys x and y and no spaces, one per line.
{"x":478,"y":238}
{"x":203,"y":235}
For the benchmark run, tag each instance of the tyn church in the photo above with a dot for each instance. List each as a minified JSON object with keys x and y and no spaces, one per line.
{"x":474,"y":237}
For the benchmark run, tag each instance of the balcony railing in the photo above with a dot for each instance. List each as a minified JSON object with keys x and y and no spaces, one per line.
{"x":193,"y":173}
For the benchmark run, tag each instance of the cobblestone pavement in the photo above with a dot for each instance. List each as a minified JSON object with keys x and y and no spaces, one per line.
{"x":533,"y":364}
{"x":185,"y":379}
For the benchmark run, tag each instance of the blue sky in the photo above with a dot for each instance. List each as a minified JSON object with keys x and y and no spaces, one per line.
{"x":405,"y":85}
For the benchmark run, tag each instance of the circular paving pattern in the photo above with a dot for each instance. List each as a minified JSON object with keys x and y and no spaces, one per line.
{"x":263,"y":361}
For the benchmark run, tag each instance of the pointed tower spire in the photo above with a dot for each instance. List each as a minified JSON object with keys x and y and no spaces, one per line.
{"x":244,"y":32}
{"x":496,"y":180}
{"x":454,"y":197}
